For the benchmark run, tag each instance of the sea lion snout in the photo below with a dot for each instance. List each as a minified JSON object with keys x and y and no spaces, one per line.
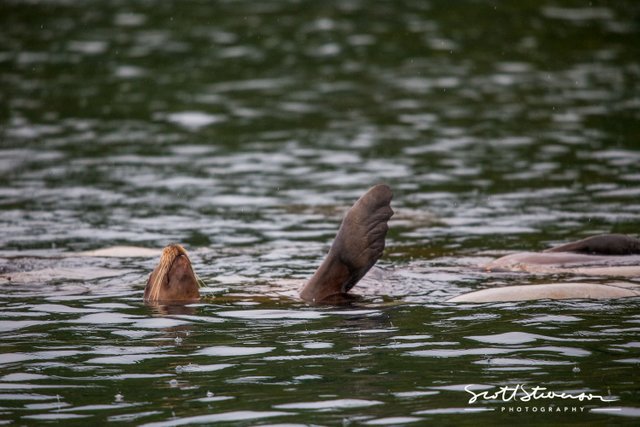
{"x":173,"y":279}
{"x":180,"y":270}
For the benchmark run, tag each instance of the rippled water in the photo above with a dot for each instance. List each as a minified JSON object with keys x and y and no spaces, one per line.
{"x":244,"y":130}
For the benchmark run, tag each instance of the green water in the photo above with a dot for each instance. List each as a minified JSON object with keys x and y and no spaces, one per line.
{"x":244,"y":130}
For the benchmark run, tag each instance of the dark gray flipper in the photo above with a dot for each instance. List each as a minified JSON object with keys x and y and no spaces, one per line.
{"x":603,"y":244}
{"x":356,"y":248}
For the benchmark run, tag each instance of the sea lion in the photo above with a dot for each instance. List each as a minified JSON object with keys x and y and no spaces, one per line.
{"x":613,"y":255}
{"x":601,"y":255}
{"x":360,"y":241}
{"x":356,"y":248}
{"x":173,"y":279}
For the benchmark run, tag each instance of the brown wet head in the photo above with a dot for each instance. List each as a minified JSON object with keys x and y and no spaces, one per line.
{"x":173,"y":278}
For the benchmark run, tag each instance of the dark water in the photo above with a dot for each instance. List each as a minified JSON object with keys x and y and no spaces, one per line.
{"x":244,"y":130}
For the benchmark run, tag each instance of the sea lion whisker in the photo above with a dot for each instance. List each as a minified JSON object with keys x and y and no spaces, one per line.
{"x":200,"y":282}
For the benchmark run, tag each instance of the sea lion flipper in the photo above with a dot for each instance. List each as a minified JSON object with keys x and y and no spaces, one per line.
{"x":603,"y":244}
{"x":358,"y":245}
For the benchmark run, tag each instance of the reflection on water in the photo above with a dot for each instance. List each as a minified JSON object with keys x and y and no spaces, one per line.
{"x":244,"y":130}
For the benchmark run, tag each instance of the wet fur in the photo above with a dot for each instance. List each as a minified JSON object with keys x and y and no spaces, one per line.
{"x":159,"y":278}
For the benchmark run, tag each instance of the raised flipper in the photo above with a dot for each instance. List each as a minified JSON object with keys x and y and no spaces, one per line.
{"x":173,"y":278}
{"x":356,"y":248}
{"x":603,"y":244}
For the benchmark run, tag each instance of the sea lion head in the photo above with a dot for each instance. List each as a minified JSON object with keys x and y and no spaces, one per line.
{"x":173,"y":279}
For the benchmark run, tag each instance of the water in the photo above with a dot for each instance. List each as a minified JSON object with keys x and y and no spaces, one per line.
{"x":244,"y":130}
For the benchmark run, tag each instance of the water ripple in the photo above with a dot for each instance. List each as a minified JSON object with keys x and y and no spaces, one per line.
{"x":227,"y":351}
{"x":330,"y":404}
{"x":234,"y":416}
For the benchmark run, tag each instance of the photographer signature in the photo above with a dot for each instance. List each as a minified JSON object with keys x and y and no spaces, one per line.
{"x":519,"y":393}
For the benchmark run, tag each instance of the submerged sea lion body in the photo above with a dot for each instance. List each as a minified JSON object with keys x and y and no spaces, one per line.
{"x":610,"y":255}
{"x":554,"y":291}
{"x":570,"y":263}
{"x":605,"y":254}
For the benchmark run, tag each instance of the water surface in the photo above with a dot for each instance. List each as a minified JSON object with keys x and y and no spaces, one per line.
{"x":244,"y":130}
